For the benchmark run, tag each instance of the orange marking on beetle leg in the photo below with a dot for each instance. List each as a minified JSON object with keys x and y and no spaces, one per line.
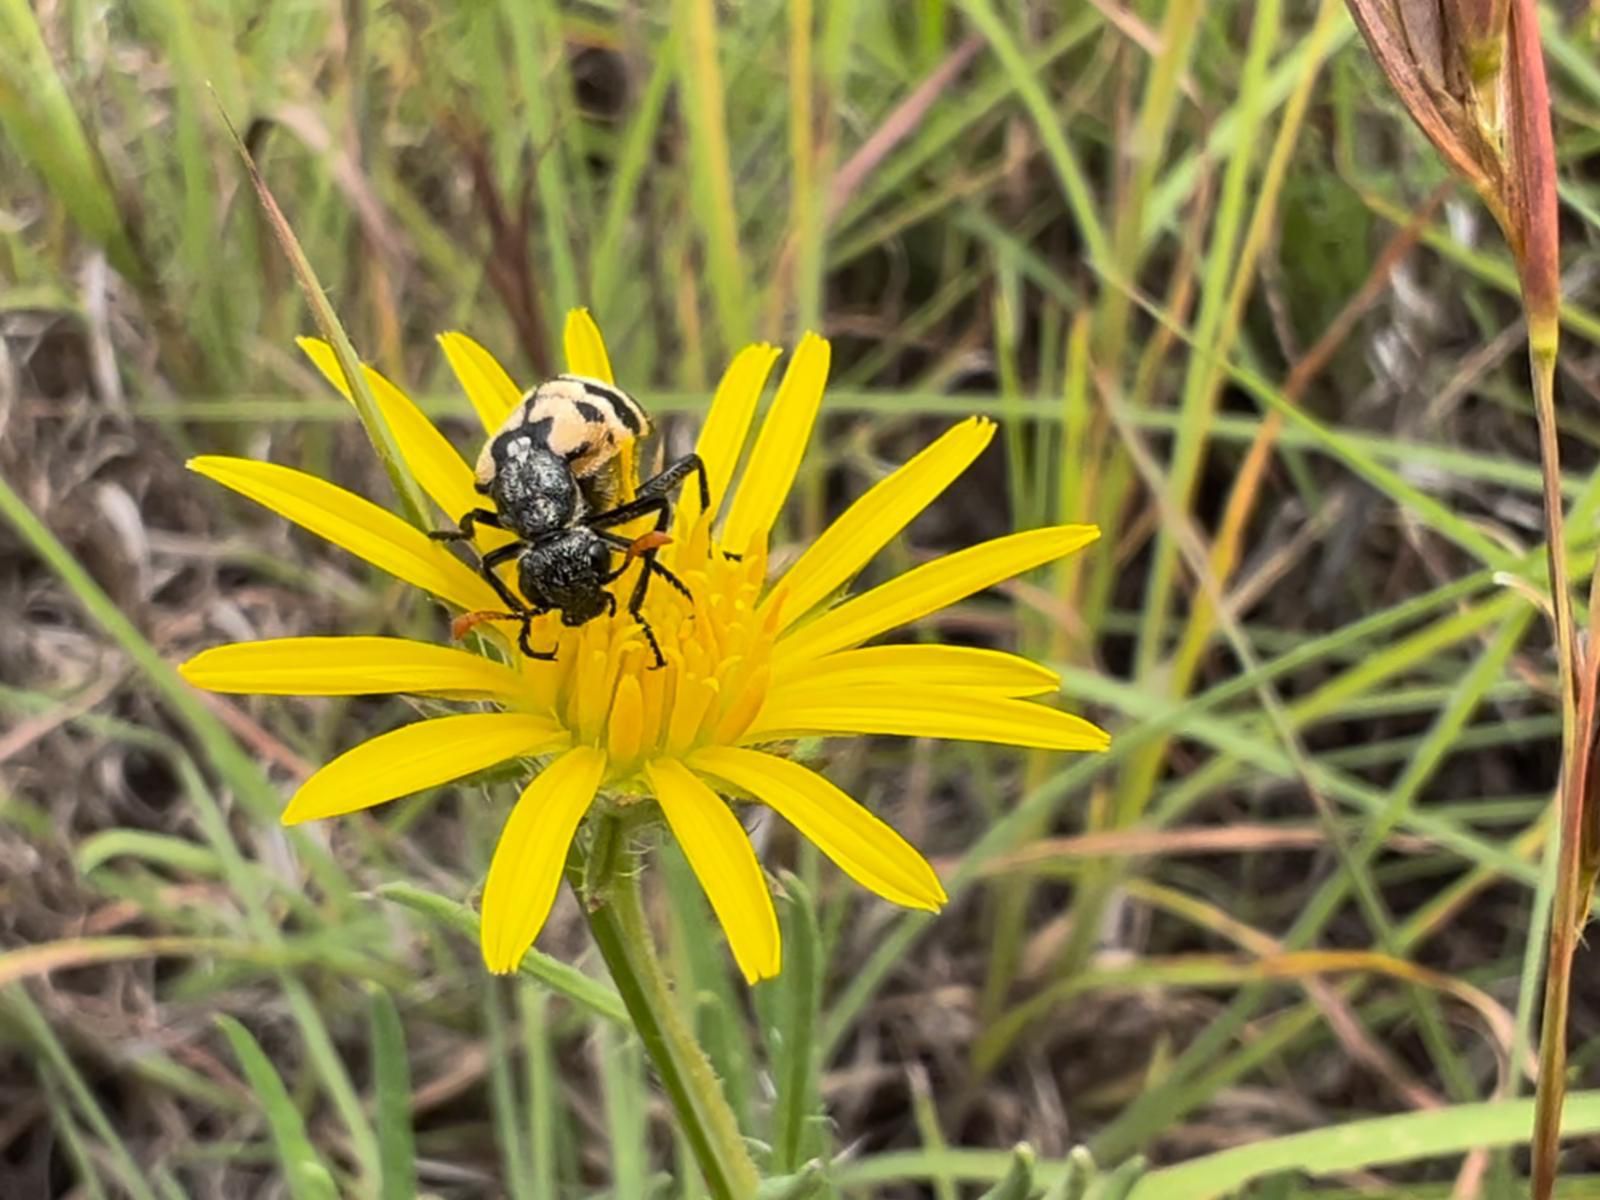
{"x":647,"y":542}
{"x":468,"y":621}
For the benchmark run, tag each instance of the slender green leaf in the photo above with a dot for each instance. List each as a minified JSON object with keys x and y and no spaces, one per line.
{"x":37,"y":114}
{"x":1017,"y":1182}
{"x":307,"y":1176}
{"x":808,"y":1181}
{"x":392,"y":1082}
{"x":793,"y":1036}
{"x":554,"y":974}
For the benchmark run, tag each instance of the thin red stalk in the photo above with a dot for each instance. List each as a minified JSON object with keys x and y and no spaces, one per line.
{"x":1569,"y":904}
{"x":1534,"y":230}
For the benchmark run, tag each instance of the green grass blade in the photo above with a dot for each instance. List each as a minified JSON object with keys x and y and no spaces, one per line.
{"x":629,"y":169}
{"x":177,"y":854}
{"x":1017,"y":1182}
{"x":541,"y":65}
{"x":413,"y":505}
{"x":504,"y":1102}
{"x":1077,"y":1173}
{"x":622,"y":1081}
{"x":72,"y":1137}
{"x":60,"y":1073}
{"x":392,"y":1083}
{"x":1432,"y":512}
{"x":1347,"y":1147}
{"x":37,"y":115}
{"x":700,"y":963}
{"x":241,"y":774}
{"x":306,"y":1175}
{"x":711,"y":184}
{"x":544,"y":1107}
{"x":559,"y":977}
{"x":793,"y":1036}
{"x":1221,"y":275}
{"x":802,"y":1185}
{"x":1177,"y":188}
{"x":1074,"y":183}
{"x":1361,"y":1145}
{"x":1005,"y":833}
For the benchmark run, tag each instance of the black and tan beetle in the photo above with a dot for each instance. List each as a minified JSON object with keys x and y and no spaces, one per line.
{"x":553,"y":472}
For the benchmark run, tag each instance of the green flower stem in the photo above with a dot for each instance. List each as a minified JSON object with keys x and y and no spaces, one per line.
{"x":617,"y":920}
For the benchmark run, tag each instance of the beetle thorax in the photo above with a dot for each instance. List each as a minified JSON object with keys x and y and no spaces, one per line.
{"x":533,"y":489}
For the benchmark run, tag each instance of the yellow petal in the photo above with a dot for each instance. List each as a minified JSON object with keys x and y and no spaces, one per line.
{"x":919,"y":666}
{"x":490,"y":390}
{"x":416,"y":757}
{"x":693,"y":699}
{"x":352,"y":666}
{"x":864,"y":848}
{"x":961,"y":715}
{"x":743,"y":707}
{"x":878,"y":516}
{"x":586,"y":355}
{"x":432,"y":459}
{"x":928,"y":588}
{"x":727,"y":425}
{"x":625,"y":725}
{"x":716,"y":846}
{"x":527,"y":865}
{"x":779,"y":447}
{"x":585,"y":348}
{"x":353,"y":524}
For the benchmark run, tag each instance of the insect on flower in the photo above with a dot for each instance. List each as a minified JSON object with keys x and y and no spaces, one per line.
{"x":553,"y":472}
{"x":753,"y":663}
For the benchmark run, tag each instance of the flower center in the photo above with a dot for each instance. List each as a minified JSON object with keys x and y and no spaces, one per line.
{"x":604,"y":684}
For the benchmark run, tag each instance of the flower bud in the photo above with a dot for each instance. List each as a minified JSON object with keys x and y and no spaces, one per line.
{"x":1471,"y":74}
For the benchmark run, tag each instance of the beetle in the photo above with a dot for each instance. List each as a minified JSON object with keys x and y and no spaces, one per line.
{"x":553,"y":472}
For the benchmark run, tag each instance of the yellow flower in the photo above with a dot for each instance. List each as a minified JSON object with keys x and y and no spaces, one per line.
{"x":749,"y":666}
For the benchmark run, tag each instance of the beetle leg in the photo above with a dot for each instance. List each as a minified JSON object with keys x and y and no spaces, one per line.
{"x":651,"y":564}
{"x":469,"y":519}
{"x":526,"y":646}
{"x":654,"y":495}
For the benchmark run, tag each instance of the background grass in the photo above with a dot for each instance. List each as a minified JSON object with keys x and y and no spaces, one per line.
{"x":1224,"y":303}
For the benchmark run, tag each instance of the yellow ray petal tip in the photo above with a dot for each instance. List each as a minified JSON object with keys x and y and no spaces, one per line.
{"x":495,"y":955}
{"x":457,"y":337}
{"x":769,"y":968}
{"x":212,"y":465}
